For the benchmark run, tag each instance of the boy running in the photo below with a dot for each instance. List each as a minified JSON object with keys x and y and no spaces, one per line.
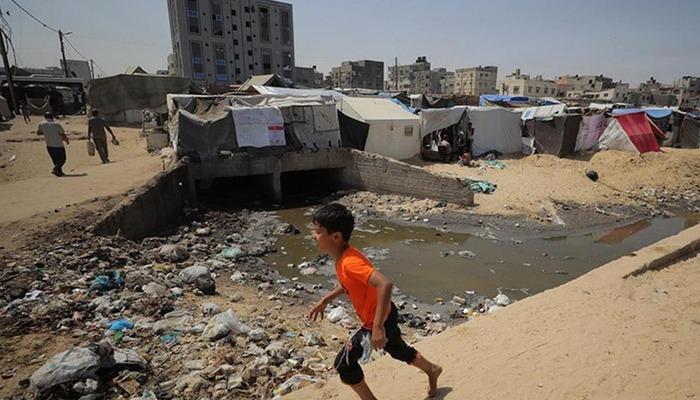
{"x":370,"y":294}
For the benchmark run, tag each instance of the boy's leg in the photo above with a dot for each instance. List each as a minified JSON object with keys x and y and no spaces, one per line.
{"x":398,"y":349}
{"x":349,"y":369}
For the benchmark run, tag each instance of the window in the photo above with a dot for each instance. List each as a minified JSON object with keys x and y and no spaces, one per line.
{"x":247,"y":24}
{"x":250,"y":53}
{"x":220,"y":62}
{"x":236,"y":56}
{"x":233,"y":12}
{"x":266,"y":60}
{"x":250,"y":67}
{"x":264,"y":24}
{"x":246,"y":9}
{"x":235,"y":42}
{"x":285,"y":27}
{"x":537,"y":90}
{"x":217,"y":19}
{"x":193,"y":16}
{"x":235,"y":27}
{"x":197,"y":61}
{"x":248,"y":39}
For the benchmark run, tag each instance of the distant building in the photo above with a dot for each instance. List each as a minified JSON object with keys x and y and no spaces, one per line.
{"x":653,"y":92}
{"x":307,"y":77}
{"x":687,"y":89}
{"x":417,"y":78}
{"x":582,"y":83}
{"x":447,"y":83}
{"x":221,"y":42}
{"x":517,"y":84}
{"x":362,"y":74}
{"x":476,"y":81}
{"x":620,"y":93}
{"x":78,"y":69}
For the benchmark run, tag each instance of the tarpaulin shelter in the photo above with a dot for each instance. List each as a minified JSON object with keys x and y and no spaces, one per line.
{"x":660,"y":116}
{"x":122,"y":98}
{"x":353,"y":133}
{"x":555,"y":135}
{"x":592,"y":126}
{"x":495,"y":129}
{"x":689,"y":134}
{"x":631,"y":132}
{"x":270,"y":80}
{"x":501,"y":100}
{"x":393,"y":131}
{"x":435,"y":122}
{"x":542,"y":111}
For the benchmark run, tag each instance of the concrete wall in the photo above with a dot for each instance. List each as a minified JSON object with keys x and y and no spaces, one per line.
{"x":366,"y":171}
{"x":152,"y":206}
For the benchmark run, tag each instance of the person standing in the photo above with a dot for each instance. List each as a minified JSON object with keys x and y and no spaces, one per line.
{"x":24,"y":108}
{"x":96,"y":133}
{"x":54,"y":135}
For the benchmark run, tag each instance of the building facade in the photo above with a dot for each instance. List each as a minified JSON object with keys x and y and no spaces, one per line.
{"x":476,"y":81}
{"x":447,"y":83}
{"x":582,"y":83}
{"x":517,"y":84}
{"x":223,"y":42}
{"x":362,"y":74}
{"x":687,"y":89}
{"x":307,"y":77}
{"x":409,"y":78}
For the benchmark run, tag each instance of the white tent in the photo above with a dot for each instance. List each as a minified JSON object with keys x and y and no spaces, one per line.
{"x":393,"y":131}
{"x":495,"y":128}
{"x":432,"y":119}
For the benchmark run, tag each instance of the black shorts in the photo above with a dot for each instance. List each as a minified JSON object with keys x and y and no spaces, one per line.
{"x":346,"y":362}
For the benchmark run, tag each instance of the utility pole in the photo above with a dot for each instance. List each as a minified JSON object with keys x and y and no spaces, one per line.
{"x":92,"y":69}
{"x":63,"y":53}
{"x":396,"y":74}
{"x":8,"y":72}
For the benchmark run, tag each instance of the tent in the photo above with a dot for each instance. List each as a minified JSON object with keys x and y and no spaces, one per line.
{"x":660,"y":116}
{"x":501,"y":100}
{"x":272,"y":80}
{"x":495,"y":129}
{"x":631,"y":132}
{"x":592,"y":126}
{"x":122,"y":98}
{"x":393,"y":131}
{"x":353,"y":133}
{"x":436,"y":122}
{"x":689,"y":135}
{"x":556,"y":135}
{"x":542,"y":111}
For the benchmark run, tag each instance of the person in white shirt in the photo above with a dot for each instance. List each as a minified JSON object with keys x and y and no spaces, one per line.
{"x":55,"y":136}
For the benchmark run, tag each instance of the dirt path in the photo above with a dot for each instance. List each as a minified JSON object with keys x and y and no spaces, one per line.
{"x":598,"y":337}
{"x":28,"y":188}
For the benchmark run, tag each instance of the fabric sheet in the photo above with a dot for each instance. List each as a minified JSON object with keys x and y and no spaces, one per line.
{"x":495,"y":129}
{"x":614,"y":137}
{"x":690,"y":134}
{"x":439,"y":118}
{"x":592,"y":126}
{"x":640,"y":131}
{"x":258,"y":126}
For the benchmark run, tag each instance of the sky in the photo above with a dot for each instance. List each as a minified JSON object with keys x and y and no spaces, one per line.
{"x":628,"y":40}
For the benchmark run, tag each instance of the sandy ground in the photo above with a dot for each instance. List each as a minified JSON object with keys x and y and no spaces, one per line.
{"x":28,"y":188}
{"x":598,"y":337}
{"x":529,"y":183}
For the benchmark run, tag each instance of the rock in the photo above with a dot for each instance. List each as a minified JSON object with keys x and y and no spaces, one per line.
{"x":459,"y":300}
{"x":466,"y":254}
{"x":206,"y":231}
{"x":313,"y":339}
{"x":257,"y":335}
{"x":501,"y":300}
{"x":210,"y":309}
{"x":294,"y":383}
{"x":238,"y":277}
{"x":155,"y":290}
{"x":224,"y":324}
{"x":232,"y":253}
{"x":173,"y":253}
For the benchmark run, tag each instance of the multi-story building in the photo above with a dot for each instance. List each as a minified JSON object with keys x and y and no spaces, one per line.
{"x":687,"y":89}
{"x":517,"y":84}
{"x":476,"y":81}
{"x":410,"y":78}
{"x":362,"y":74}
{"x":582,"y":83}
{"x":619,"y":93}
{"x":447,"y":83}
{"x":221,"y":42}
{"x":307,"y":77}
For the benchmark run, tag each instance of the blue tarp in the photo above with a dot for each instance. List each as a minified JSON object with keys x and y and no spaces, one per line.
{"x":652,"y":112}
{"x":484,"y":99}
{"x":405,"y":107}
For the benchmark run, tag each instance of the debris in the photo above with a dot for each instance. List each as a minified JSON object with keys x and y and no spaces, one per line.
{"x":232,"y":253}
{"x":104,"y":283}
{"x":294,"y":383}
{"x":203,"y":231}
{"x":120,"y":325}
{"x":592,"y":175}
{"x":210,"y":309}
{"x":155,"y":290}
{"x":173,"y":253}
{"x":501,"y":300}
{"x":223,"y":324}
{"x":466,"y":254}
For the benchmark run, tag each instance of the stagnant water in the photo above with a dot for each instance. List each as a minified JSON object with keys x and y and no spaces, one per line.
{"x":419,"y":260}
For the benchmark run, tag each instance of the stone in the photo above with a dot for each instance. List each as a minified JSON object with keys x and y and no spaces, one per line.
{"x":206,"y":231}
{"x":257,"y":335}
{"x":501,"y":300}
{"x":155,"y":290}
{"x":173,"y":253}
{"x":466,"y":254}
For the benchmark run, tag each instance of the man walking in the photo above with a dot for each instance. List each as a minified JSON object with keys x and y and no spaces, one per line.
{"x":54,"y":135}
{"x":96,"y":133}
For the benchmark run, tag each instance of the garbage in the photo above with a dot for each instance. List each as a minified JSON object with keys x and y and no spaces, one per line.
{"x":210,"y":309}
{"x":223,"y":324}
{"x":178,"y":320}
{"x":200,"y":277}
{"x":296,"y":382}
{"x":86,"y":387}
{"x":466,"y":254}
{"x":257,"y":335}
{"x":232,"y":253}
{"x":481,"y":186}
{"x":592,"y":175}
{"x":203,"y":231}
{"x":336,"y":314}
{"x":501,"y":300}
{"x":173,"y":253}
{"x":496,"y":164}
{"x":155,"y":290}
{"x":120,"y":325}
{"x":107,"y":282}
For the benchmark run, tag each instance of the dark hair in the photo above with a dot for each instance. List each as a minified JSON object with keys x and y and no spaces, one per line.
{"x":335,"y":218}
{"x":95,"y":112}
{"x":48,"y":115}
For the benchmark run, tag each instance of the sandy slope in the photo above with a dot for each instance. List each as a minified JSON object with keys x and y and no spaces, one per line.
{"x":597,"y":337}
{"x":27,"y":186}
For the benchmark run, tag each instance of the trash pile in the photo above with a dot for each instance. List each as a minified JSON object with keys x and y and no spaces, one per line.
{"x":152,"y":323}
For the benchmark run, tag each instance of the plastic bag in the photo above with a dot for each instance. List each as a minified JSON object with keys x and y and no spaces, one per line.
{"x":222,"y":324}
{"x":294,"y":383}
{"x":90,"y":148}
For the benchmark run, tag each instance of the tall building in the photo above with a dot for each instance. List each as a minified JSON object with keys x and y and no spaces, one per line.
{"x":417,"y":78}
{"x":517,"y":84}
{"x":362,"y":74}
{"x":476,"y":81}
{"x":447,"y":83}
{"x":223,"y":42}
{"x":307,"y":77}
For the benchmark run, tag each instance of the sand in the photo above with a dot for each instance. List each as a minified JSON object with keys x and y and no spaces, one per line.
{"x":600,"y":336}
{"x":27,"y":186}
{"x":530,"y":183}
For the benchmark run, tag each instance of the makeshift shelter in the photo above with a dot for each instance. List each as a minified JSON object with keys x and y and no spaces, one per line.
{"x":134,"y":69}
{"x":452,"y":122}
{"x":501,"y":100}
{"x":272,"y":80}
{"x":393,"y":131}
{"x":353,"y":133}
{"x":592,"y":126}
{"x":122,"y":98}
{"x":555,"y":135}
{"x":542,"y":111}
{"x":689,"y":134}
{"x":631,"y":132}
{"x":660,"y":116}
{"x":495,"y":129}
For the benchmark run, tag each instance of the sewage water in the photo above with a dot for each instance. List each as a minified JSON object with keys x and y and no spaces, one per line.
{"x":423,"y":262}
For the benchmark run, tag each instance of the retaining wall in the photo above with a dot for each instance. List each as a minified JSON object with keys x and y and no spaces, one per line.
{"x":152,"y":206}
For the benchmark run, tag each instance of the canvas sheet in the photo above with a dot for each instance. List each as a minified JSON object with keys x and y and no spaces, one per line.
{"x":614,"y":137}
{"x":640,"y":131}
{"x":542,"y":111}
{"x":496,"y":129}
{"x":592,"y":126}
{"x":258,"y":126}
{"x":439,"y":118}
{"x":690,"y":134}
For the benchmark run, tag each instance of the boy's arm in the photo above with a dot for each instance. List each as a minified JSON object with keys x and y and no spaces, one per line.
{"x":384,"y":287}
{"x":318,"y":308}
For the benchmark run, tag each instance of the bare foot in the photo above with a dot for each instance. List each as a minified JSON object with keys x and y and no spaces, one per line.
{"x":433,"y":379}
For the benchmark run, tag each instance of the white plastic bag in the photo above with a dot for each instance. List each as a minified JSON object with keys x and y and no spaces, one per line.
{"x":222,"y":324}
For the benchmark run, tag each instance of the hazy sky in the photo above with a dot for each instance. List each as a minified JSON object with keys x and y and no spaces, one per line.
{"x":624,"y":39}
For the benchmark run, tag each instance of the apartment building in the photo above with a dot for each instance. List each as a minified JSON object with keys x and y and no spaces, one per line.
{"x":307,"y":77}
{"x":517,"y":84}
{"x":582,"y":83}
{"x":476,"y":81}
{"x":223,"y":42}
{"x":362,"y":74}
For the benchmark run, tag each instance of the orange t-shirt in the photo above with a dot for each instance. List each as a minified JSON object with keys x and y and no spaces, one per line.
{"x":353,"y":270}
